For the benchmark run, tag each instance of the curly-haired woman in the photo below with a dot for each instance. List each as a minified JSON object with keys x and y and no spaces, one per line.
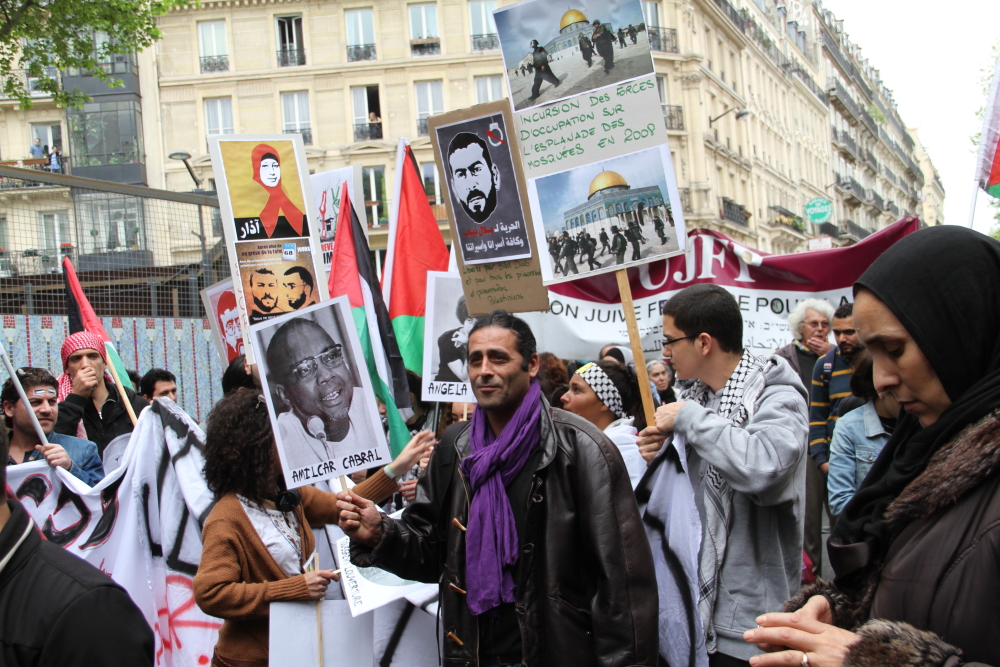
{"x":257,"y":538}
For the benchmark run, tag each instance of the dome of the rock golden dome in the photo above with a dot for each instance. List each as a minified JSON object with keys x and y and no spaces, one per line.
{"x":606,"y":179}
{"x":571,"y":17}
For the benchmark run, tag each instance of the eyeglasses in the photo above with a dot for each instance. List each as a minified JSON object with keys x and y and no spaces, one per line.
{"x":670,"y":341}
{"x":817,"y":323}
{"x":332,"y":357}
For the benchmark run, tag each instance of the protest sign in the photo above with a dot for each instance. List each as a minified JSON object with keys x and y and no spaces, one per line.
{"x":224,"y":319}
{"x":294,"y":639}
{"x":141,"y":525}
{"x":368,"y":588}
{"x":600,"y":125}
{"x":607,"y":216}
{"x":552,"y":50}
{"x":585,"y":315}
{"x":446,"y":340}
{"x":407,"y":634}
{"x":326,"y":187}
{"x":271,"y":229}
{"x":319,"y":394}
{"x":487,"y":208}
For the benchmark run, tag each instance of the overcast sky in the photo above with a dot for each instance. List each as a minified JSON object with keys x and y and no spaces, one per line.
{"x":930,"y":54}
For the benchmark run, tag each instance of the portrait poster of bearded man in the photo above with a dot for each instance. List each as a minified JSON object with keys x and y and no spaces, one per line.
{"x":484,"y":193}
{"x":224,"y":319}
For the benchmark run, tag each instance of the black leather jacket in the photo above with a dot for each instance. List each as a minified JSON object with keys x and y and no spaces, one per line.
{"x":586,"y":588}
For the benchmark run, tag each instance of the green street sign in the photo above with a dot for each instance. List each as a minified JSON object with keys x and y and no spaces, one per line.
{"x":819,"y":210}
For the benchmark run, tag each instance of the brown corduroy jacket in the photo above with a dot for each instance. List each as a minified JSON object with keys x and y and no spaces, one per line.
{"x":237,"y":578}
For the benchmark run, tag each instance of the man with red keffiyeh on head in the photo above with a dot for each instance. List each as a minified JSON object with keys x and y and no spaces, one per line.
{"x":90,"y":407}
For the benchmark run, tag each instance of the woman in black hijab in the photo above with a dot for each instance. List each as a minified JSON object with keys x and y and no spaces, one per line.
{"x":915,"y":551}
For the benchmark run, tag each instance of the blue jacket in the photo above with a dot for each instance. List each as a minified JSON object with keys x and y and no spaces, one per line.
{"x":87,"y":464}
{"x":857,"y":440}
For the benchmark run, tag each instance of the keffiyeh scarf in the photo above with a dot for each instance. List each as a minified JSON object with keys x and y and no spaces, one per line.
{"x":737,"y":401}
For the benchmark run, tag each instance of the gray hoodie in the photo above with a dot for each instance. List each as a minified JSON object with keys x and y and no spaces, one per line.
{"x":764,"y":463}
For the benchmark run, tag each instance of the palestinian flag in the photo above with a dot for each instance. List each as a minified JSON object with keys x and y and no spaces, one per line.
{"x":415,"y":247}
{"x":352,"y":272}
{"x":988,"y":163}
{"x":83,"y":318}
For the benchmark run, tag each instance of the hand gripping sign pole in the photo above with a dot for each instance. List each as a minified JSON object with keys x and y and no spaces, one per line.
{"x":42,"y":439}
{"x":121,"y":392}
{"x":635,"y":340}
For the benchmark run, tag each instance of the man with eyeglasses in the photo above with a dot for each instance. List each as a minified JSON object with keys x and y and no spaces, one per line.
{"x":739,"y":435}
{"x":308,"y":371}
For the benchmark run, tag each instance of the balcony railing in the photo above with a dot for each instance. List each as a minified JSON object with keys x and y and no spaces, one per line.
{"x":875,"y":200}
{"x":291,"y":57}
{"x":831,"y":45}
{"x":30,"y":83}
{"x":214,"y":64}
{"x":306,"y":132}
{"x":733,"y":16}
{"x":361,"y":52}
{"x":733,"y":212}
{"x":673,"y":114}
{"x":487,"y":42}
{"x":869,"y":122}
{"x":871,"y":161}
{"x":850,"y":144}
{"x":662,"y":39}
{"x":849,"y":228}
{"x":839,"y":94}
{"x":686,"y":200}
{"x":422,"y":130}
{"x":892,"y":208}
{"x":830,"y":229}
{"x":37,"y":164}
{"x":366,"y":131}
{"x":430,"y":46}
{"x":889,"y":175}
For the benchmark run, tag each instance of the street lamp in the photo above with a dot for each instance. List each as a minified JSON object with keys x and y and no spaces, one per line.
{"x":742,"y":113}
{"x":185,"y":157}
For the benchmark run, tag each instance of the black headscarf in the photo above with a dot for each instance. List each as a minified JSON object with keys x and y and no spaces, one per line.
{"x":942,"y":283}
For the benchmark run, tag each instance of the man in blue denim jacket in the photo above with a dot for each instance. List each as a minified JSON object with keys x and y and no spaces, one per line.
{"x":76,"y":455}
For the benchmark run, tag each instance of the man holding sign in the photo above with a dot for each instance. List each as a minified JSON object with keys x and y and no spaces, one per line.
{"x":526,"y":518}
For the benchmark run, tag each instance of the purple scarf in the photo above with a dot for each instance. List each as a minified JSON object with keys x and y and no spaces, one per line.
{"x":491,"y":548}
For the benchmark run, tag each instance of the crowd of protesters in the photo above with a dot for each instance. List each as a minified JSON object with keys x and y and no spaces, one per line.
{"x":565,"y":527}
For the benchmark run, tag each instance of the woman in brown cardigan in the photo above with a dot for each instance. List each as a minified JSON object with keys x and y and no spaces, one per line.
{"x":253,"y":553}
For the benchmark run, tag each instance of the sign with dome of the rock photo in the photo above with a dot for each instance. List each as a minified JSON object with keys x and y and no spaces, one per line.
{"x":552,"y":51}
{"x":607,"y":215}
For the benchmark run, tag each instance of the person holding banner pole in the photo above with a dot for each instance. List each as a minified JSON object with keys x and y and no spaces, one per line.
{"x":257,"y":539}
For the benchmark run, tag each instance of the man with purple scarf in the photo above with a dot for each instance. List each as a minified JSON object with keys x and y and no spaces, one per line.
{"x":526,"y":519}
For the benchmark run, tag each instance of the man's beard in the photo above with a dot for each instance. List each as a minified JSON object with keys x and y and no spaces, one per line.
{"x":261,"y":307}
{"x":298,"y":303}
{"x":848,"y":349}
{"x":488,"y":207}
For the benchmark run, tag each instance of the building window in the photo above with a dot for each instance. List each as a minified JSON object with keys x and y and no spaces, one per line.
{"x":488,"y":88}
{"x":110,"y":222}
{"x":295,"y":111}
{"x":374,"y":188}
{"x":214,"y":49}
{"x":111,"y":63}
{"x":219,"y":115}
{"x":432,"y":184}
{"x":484,"y":30}
{"x":291,"y":47}
{"x":56,"y":232}
{"x":103,"y":133}
{"x":48,"y":134}
{"x":430,"y":101}
{"x":424,"y":37}
{"x":367,"y":113}
{"x":360,"y":34}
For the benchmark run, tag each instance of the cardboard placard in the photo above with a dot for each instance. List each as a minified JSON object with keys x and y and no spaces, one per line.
{"x":488,"y":209}
{"x":271,"y":228}
{"x":224,"y":319}
{"x":319,"y":394}
{"x":326,"y":187}
{"x":294,"y":637}
{"x":368,"y":588}
{"x":446,"y":340}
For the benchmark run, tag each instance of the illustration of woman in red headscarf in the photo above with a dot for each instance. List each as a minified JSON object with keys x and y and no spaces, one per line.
{"x":280,"y":218}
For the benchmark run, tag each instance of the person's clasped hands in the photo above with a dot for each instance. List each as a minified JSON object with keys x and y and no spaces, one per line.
{"x":652,"y":437}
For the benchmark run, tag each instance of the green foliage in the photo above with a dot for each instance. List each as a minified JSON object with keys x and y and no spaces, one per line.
{"x":39,"y":38}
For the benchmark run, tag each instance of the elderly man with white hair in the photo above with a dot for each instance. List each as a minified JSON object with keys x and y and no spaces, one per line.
{"x":809,"y":323}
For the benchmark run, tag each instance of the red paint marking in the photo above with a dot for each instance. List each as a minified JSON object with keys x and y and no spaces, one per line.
{"x":493,"y":136}
{"x":173,"y":623}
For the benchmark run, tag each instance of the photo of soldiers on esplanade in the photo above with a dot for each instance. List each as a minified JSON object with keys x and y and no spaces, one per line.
{"x":624,"y":201}
{"x":552,"y":51}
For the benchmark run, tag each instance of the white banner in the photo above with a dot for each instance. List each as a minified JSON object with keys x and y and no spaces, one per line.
{"x":141,"y":525}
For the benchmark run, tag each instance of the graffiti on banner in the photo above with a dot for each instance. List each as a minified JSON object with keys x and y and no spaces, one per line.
{"x":141,"y":525}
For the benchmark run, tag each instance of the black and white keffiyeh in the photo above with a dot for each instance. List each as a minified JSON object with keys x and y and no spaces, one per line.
{"x":737,"y":401}
{"x":602,"y":385}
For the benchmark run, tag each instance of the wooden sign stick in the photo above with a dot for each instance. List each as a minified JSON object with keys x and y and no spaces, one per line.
{"x":121,"y":391}
{"x":625,"y":292}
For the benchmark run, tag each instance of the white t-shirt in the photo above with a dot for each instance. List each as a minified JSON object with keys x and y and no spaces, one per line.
{"x":279,"y":531}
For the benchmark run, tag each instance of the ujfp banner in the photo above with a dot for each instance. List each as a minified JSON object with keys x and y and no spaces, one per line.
{"x":585,"y":315}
